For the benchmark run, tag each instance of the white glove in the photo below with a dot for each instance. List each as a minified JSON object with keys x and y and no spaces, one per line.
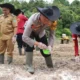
{"x":42,"y":46}
{"x":50,"y":49}
{"x":13,"y":39}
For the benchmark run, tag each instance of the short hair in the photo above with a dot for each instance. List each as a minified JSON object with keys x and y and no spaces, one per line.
{"x":17,"y":12}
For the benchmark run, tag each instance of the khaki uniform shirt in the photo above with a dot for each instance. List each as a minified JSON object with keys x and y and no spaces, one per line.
{"x":34,"y":24}
{"x":7,"y":25}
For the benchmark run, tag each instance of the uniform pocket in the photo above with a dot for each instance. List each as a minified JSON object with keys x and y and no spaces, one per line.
{"x":8,"y":29}
{"x":8,"y":22}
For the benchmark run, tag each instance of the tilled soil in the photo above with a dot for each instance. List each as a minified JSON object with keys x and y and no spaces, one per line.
{"x":65,"y":67}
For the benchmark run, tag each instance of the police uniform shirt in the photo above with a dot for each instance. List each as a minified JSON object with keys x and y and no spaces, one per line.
{"x":34,"y":24}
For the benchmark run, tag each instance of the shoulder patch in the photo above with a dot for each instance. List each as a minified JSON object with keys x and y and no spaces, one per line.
{"x":14,"y":20}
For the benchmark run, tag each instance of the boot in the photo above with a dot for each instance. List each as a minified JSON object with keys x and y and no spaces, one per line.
{"x":24,"y":50}
{"x":49,"y":62}
{"x":20,"y":51}
{"x":10,"y":59}
{"x":1,"y":58}
{"x":29,"y":59}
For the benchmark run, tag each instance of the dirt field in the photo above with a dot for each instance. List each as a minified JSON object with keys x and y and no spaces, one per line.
{"x":65,"y":68}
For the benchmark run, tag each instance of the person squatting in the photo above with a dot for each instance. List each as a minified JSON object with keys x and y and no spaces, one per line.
{"x":35,"y":28}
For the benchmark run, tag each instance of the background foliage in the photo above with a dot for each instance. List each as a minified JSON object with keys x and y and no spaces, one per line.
{"x":69,"y":12}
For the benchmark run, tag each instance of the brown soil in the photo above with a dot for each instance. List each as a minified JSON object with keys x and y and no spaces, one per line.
{"x":65,"y":68}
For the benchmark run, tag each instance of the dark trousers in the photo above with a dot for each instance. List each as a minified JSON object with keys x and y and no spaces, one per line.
{"x":19,"y":41}
{"x":43,"y":40}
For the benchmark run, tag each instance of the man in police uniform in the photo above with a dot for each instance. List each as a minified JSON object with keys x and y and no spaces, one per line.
{"x":35,"y":35}
{"x":8,"y":24}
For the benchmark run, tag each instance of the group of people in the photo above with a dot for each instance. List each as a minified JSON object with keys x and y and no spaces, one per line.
{"x":28,"y":33}
{"x":11,"y":29}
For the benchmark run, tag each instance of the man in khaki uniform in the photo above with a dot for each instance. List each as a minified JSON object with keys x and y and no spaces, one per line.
{"x":8,"y":24}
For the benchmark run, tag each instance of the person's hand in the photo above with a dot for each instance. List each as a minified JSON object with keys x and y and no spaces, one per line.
{"x":50,"y":49}
{"x":13,"y":39}
{"x":42,"y":46}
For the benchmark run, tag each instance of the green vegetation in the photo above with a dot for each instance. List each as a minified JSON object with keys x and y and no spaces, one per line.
{"x":69,"y":12}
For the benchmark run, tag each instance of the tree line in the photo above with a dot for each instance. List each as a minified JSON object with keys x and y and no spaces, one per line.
{"x":69,"y":12}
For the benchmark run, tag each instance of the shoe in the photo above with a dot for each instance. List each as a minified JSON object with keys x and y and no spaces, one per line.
{"x":77,"y":59}
{"x":49,"y":62}
{"x":1,"y":58}
{"x":29,"y":59}
{"x":10,"y":59}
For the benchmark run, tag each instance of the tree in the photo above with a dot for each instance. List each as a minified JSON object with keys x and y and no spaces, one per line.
{"x":69,"y":12}
{"x":63,"y":2}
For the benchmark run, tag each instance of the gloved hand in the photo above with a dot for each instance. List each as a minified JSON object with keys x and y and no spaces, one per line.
{"x":50,"y":49}
{"x":13,"y":39}
{"x":42,"y":46}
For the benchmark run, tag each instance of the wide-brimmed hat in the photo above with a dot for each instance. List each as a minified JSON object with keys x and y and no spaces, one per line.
{"x":75,"y":28}
{"x":9,"y":6}
{"x":50,"y":12}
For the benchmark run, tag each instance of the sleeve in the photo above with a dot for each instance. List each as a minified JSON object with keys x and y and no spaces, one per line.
{"x":51,"y":38}
{"x":25,"y":18}
{"x":14,"y":22}
{"x":27,"y":32}
{"x":25,"y":24}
